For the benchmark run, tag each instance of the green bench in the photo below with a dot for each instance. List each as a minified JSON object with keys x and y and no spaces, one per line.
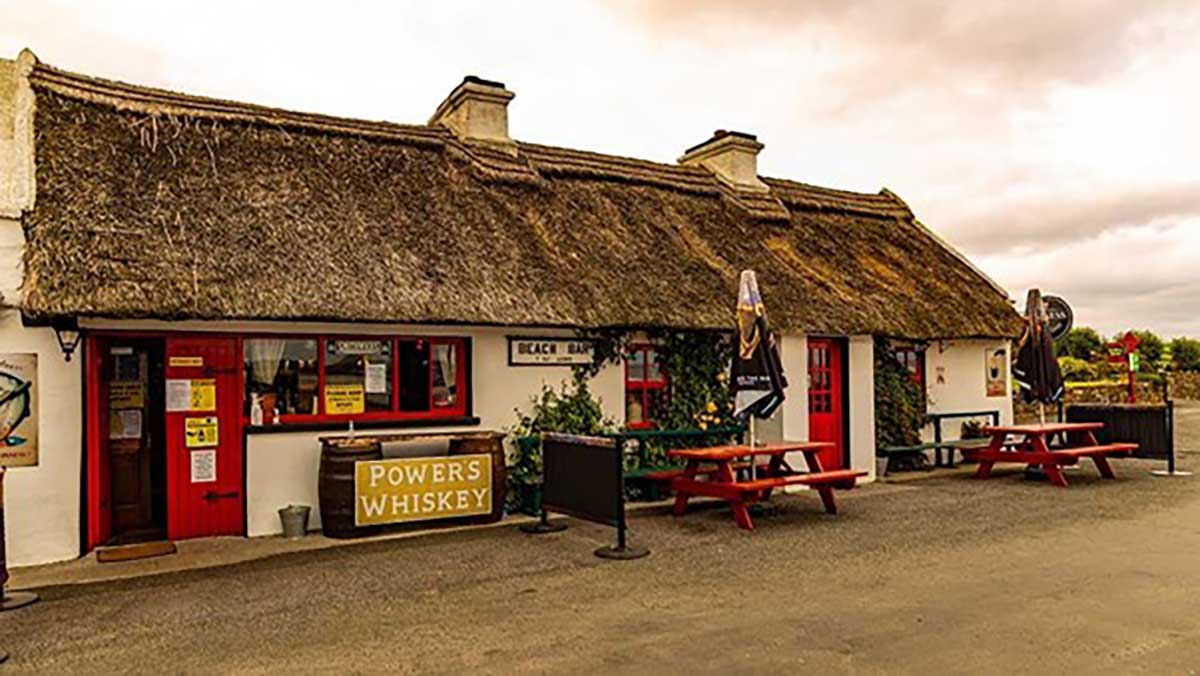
{"x":939,"y":443}
{"x":653,"y":473}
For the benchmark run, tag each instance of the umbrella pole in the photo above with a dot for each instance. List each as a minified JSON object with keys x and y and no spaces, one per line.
{"x":753,"y":477}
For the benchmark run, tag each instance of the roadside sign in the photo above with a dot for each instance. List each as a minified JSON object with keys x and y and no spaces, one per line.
{"x":1060,"y":315}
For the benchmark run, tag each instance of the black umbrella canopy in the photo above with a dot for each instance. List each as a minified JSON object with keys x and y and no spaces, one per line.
{"x":756,"y":374}
{"x":1036,"y":368}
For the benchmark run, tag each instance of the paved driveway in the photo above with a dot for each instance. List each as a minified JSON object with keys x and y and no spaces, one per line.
{"x":941,"y":576}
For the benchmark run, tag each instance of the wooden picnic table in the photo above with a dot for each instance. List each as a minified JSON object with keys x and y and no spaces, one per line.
{"x":717,"y":463}
{"x":1033,"y":449}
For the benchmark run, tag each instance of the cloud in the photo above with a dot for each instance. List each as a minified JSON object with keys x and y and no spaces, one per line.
{"x":1027,"y":45}
{"x":1054,"y":219}
{"x":1126,"y":277}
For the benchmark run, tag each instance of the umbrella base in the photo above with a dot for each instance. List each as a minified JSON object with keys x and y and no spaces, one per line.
{"x":1169,"y":473}
{"x":626,"y":553}
{"x":15,"y":600}
{"x":543,"y":527}
{"x":763,"y":509}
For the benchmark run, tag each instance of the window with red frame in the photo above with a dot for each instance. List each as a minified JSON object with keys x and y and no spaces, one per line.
{"x":913,"y":360}
{"x":645,"y":388}
{"x":317,"y":378}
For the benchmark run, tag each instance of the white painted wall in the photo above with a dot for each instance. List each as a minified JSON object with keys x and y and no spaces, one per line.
{"x":862,"y":404}
{"x":956,"y":380}
{"x":42,"y":502}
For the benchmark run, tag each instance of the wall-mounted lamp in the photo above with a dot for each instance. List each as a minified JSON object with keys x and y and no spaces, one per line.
{"x":67,"y":332}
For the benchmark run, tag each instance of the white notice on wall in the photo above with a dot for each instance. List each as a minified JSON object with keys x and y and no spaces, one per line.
{"x":204,"y":466}
{"x":125,"y":424}
{"x":376,"y":378}
{"x":179,"y":394}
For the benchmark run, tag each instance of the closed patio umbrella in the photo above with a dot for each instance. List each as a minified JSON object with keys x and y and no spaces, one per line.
{"x":1036,"y":369}
{"x":756,"y":373}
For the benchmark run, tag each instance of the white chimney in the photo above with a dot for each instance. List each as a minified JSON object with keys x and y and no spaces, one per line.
{"x":476,"y":110}
{"x":731,"y":155}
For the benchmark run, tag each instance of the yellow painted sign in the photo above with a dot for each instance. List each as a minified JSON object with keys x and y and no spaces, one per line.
{"x":204,"y":395}
{"x":416,"y":489}
{"x":344,"y":398}
{"x":185,"y":362}
{"x":201,"y":432}
{"x":126,"y":394}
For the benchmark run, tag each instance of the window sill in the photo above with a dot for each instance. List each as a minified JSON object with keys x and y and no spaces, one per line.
{"x":374,"y":424}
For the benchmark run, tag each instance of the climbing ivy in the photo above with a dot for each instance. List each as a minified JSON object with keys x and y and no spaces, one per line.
{"x":899,"y":403}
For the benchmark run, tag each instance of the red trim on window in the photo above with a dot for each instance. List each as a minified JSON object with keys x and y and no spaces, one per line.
{"x":644,"y":386}
{"x":458,"y":410}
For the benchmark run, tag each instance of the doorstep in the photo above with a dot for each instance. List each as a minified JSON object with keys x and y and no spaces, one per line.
{"x":214,"y":552}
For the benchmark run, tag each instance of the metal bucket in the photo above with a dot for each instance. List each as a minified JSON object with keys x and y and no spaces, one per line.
{"x":295,"y":520}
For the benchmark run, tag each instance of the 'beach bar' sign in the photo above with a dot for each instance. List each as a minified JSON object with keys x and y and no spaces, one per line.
{"x":545,"y":351}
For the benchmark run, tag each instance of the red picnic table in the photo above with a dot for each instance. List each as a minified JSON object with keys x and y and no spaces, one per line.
{"x":717,"y":463}
{"x":1033,"y":450}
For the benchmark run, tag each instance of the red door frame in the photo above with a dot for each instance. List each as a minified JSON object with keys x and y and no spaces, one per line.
{"x":828,"y":413}
{"x":98,"y":514}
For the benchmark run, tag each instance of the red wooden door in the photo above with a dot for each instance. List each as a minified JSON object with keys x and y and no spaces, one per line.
{"x":204,"y":438}
{"x":99,"y":475}
{"x":825,"y":421}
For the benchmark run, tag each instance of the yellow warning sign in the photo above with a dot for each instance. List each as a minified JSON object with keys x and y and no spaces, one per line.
{"x":204,"y":395}
{"x":126,"y":394}
{"x":185,"y":362}
{"x":201,"y":432}
{"x":344,"y":398}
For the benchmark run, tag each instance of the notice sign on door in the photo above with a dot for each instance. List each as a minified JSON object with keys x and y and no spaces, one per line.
{"x":344,"y":398}
{"x":416,"y":489}
{"x":201,"y":432}
{"x":204,"y":466}
{"x":193,"y":394}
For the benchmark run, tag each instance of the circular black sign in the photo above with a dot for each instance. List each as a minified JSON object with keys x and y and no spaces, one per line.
{"x":1061,"y":317}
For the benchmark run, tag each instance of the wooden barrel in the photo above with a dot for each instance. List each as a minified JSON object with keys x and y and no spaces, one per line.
{"x":491,"y":444}
{"x":335,"y":485}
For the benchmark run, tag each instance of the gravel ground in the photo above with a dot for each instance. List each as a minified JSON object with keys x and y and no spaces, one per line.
{"x":947,"y":575}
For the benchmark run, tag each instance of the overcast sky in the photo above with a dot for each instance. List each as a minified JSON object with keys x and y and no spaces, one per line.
{"x":1056,"y":142}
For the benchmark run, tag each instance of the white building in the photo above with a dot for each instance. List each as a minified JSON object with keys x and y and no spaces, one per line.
{"x":298,"y":272}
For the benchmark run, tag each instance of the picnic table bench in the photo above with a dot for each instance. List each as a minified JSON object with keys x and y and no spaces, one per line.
{"x":1032,"y":449}
{"x":717,"y":463}
{"x":939,"y":443}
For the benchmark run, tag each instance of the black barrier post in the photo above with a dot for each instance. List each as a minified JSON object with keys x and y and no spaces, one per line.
{"x":621,"y":551}
{"x":543,"y":526}
{"x":1171,"y":471}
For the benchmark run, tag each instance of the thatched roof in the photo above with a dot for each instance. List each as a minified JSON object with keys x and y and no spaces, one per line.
{"x":152,"y":204}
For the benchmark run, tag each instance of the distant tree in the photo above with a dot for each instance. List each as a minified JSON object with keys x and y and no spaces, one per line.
{"x":1081,"y":343}
{"x":1185,"y":354}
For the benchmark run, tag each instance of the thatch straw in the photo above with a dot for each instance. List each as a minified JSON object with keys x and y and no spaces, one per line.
{"x":155,"y":204}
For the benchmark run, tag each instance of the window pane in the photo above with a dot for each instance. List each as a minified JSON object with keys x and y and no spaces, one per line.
{"x":445,"y":376}
{"x":281,"y":374}
{"x":414,"y":375}
{"x":634,"y":413}
{"x":636,"y":366}
{"x":358,"y":376}
{"x":653,"y":368}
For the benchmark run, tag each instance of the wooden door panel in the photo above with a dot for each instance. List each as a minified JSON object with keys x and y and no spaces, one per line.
{"x":209,"y":505}
{"x":825,"y":421}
